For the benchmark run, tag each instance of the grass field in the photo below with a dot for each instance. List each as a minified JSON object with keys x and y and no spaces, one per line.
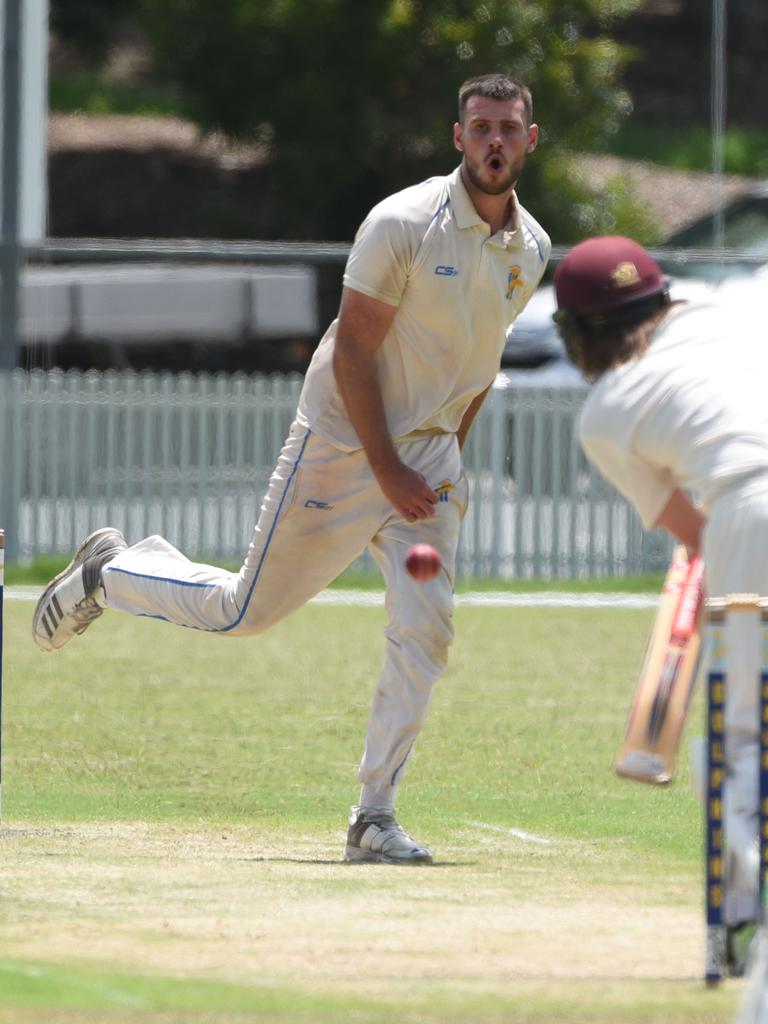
{"x":44,"y":567}
{"x":174,"y":815}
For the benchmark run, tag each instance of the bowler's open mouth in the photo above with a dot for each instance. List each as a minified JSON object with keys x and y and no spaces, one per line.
{"x":495,"y":162}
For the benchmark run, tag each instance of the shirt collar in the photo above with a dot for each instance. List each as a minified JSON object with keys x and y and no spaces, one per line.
{"x":464,"y":211}
{"x":466,"y":215}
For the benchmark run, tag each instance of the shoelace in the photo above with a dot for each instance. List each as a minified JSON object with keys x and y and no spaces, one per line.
{"x":84,"y":613}
{"x":385,"y":822}
{"x":391,"y":832}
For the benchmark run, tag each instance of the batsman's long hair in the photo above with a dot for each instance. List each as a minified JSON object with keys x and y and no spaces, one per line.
{"x":596,"y":344}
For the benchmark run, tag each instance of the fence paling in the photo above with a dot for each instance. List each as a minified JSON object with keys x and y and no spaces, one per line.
{"x":190,"y":457}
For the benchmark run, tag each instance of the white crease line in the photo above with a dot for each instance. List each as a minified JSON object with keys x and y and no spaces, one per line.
{"x":367,"y":598}
{"x":490,"y":599}
{"x":500,"y":599}
{"x":554,"y":599}
{"x":518,"y":833}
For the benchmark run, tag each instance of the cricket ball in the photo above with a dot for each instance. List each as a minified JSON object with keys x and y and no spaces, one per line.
{"x":423,"y":562}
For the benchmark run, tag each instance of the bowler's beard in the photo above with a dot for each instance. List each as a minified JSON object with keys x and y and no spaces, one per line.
{"x":493,"y":187}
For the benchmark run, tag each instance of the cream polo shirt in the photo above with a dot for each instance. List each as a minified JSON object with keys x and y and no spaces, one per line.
{"x":690,"y":413}
{"x":456,"y":287}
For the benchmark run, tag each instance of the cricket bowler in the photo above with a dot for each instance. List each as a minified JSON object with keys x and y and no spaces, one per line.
{"x":436,"y":274}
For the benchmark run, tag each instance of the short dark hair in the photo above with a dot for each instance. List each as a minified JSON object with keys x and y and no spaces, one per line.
{"x":496,"y":87}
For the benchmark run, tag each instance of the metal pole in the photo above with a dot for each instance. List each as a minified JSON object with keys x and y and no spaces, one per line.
{"x":9,"y":251}
{"x":2,"y":582}
{"x":718,"y":116}
{"x":9,"y":255}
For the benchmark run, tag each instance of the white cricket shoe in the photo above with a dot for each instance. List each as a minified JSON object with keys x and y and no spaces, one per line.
{"x":68,"y":606}
{"x":375,"y":836}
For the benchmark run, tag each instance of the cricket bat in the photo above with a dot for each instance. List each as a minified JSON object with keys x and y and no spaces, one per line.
{"x":665,"y":686}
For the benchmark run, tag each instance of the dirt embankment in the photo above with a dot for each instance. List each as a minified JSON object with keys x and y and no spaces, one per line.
{"x":126,"y":176}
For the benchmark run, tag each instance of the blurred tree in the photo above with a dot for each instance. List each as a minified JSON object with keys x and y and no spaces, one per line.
{"x":355,"y":98}
{"x":89,"y":26}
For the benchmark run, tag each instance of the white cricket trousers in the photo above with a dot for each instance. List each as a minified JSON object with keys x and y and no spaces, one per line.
{"x":322,"y":508}
{"x":735,"y":550}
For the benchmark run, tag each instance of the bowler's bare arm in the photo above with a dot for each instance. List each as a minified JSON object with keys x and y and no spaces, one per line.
{"x":362,"y":327}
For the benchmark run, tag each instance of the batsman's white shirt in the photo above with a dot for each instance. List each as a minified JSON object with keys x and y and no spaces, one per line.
{"x":456,"y":288}
{"x":691,"y":412}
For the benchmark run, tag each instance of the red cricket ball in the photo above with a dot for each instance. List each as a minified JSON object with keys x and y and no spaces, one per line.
{"x":423,"y":562}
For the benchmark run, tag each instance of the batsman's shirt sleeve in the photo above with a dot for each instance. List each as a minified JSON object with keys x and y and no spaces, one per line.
{"x":606,"y":437}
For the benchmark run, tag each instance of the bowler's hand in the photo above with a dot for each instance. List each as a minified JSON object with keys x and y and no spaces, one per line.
{"x":408,"y":491}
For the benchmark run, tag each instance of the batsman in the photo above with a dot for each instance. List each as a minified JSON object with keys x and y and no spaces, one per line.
{"x":677,"y":420}
{"x":373,"y":460}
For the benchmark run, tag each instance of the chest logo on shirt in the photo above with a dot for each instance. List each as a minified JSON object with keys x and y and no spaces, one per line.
{"x":444,"y":271}
{"x":514,"y":280}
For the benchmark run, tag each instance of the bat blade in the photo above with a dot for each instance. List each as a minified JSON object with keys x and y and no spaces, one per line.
{"x":665,"y":685}
{"x":660,"y":704}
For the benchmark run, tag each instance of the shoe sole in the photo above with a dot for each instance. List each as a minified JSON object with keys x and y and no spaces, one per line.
{"x":76,"y":559}
{"x":354,"y":855}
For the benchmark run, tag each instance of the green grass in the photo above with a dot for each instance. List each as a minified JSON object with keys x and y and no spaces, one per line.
{"x":203,"y":708}
{"x":45,"y":567}
{"x":35,"y":986}
{"x":174,"y":812}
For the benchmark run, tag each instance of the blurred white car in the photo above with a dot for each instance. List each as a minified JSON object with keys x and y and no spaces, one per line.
{"x":534,"y":354}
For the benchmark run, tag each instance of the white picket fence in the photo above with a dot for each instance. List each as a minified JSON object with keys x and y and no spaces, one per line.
{"x":190,"y":456}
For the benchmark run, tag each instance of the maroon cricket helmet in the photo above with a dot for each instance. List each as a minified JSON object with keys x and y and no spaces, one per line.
{"x":606,"y":273}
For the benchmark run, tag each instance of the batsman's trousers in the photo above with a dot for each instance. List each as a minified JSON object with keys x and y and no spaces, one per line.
{"x":322,"y":509}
